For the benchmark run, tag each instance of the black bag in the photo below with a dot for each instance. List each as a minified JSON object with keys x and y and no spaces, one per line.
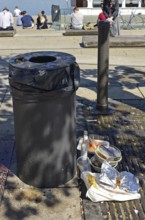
{"x":88,"y":26}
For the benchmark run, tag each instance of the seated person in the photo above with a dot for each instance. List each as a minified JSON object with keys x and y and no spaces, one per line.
{"x":17,"y":11}
{"x":76,"y":19}
{"x":6,"y":20}
{"x":19,"y":21}
{"x":42,"y":21}
{"x":27,"y":20}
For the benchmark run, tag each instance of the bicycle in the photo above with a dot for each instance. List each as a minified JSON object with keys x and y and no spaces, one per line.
{"x":134,"y":21}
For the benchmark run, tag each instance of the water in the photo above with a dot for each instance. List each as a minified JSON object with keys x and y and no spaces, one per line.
{"x":33,"y":7}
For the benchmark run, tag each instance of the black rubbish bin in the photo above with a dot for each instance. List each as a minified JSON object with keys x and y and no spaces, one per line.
{"x":43,"y":86}
{"x":55,"y":13}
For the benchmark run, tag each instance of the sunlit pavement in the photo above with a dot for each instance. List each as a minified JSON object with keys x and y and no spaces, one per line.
{"x":124,"y":129}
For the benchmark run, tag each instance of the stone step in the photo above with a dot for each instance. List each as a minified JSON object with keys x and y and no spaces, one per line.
{"x":72,"y":32}
{"x":7,"y":33}
{"x":118,"y":41}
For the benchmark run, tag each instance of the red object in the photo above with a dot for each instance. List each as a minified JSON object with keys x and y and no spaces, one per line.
{"x":101,"y":16}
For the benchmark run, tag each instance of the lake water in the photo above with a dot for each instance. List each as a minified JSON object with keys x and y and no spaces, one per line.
{"x":33,"y":7}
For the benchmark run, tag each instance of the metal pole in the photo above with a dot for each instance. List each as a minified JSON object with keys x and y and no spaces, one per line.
{"x":103,"y":64}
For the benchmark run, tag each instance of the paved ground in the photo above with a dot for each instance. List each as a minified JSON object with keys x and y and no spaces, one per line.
{"x":124,"y":129}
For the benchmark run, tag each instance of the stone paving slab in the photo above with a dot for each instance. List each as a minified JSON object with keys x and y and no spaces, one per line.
{"x":122,"y":57}
{"x":36,"y":43}
{"x":114,"y":92}
{"x":6,"y":149}
{"x":3,"y":177}
{"x":123,"y":92}
{"x":6,"y":107}
{"x":21,"y":201}
{"x":142,"y":90}
{"x":3,"y":90}
{"x":6,"y":127}
{"x":87,"y":93}
{"x":117,"y":75}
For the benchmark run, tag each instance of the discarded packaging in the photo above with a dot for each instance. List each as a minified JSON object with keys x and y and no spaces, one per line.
{"x":100,"y":151}
{"x":124,"y":180}
{"x":84,"y":164}
{"x":96,"y":164}
{"x":112,"y":153}
{"x":94,"y":144}
{"x":110,"y":185}
{"x":97,"y":193}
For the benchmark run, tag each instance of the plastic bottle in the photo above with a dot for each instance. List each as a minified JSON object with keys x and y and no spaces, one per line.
{"x":83,"y":161}
{"x":84,"y":147}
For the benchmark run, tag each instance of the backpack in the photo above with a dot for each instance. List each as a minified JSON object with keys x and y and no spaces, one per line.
{"x":88,"y":26}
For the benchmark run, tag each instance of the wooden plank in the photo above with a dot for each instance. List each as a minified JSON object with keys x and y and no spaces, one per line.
{"x":7,"y":33}
{"x":72,"y":32}
{"x":118,"y":41}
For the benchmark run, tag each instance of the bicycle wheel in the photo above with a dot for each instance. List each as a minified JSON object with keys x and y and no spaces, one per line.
{"x":131,"y":23}
{"x":136,"y":22}
{"x":141,"y":21}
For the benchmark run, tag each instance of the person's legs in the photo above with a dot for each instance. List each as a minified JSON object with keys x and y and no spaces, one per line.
{"x":115,"y":28}
{"x":77,"y":27}
{"x":44,"y":25}
{"x":10,"y":28}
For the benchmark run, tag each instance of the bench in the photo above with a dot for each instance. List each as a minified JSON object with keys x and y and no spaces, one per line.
{"x":118,"y":41}
{"x":7,"y":33}
{"x":73,"y":32}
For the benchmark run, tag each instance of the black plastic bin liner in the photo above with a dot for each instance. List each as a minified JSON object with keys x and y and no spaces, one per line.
{"x":55,"y":13}
{"x":44,"y":71}
{"x":44,"y":116}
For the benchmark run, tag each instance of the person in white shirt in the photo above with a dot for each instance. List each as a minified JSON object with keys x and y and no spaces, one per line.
{"x":6,"y":19}
{"x":76,"y":19}
{"x":17,"y":11}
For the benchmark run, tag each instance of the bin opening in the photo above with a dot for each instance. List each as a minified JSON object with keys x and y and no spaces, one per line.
{"x":42,"y":59}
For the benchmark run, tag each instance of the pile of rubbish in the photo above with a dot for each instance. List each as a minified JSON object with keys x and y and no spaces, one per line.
{"x":106,"y":183}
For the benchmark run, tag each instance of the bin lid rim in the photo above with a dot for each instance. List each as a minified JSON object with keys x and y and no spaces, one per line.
{"x":22,"y":61}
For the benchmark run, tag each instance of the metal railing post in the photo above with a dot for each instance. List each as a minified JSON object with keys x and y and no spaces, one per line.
{"x":103,"y":64}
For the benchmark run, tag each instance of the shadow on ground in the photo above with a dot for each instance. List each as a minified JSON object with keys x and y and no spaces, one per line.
{"x":125,"y":129}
